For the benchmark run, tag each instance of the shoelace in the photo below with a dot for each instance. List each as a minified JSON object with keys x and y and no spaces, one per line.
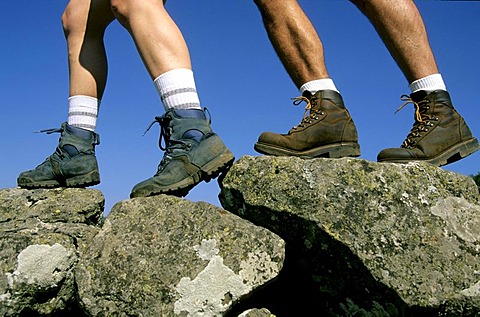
{"x":50,"y":131}
{"x":96,"y":137}
{"x":165,"y":133}
{"x":170,"y":144}
{"x":422,"y":120}
{"x":298,"y":100}
{"x":307,"y":115}
{"x":407,"y":99}
{"x":60,"y":151}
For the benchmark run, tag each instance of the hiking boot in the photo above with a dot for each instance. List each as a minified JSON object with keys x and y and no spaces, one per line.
{"x":327,"y":130}
{"x":73,"y":164}
{"x":439,"y":134}
{"x":193,"y":153}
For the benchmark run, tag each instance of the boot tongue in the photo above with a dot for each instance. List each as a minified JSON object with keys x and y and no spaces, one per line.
{"x":418,"y":95}
{"x":307,"y":94}
{"x":193,"y":133}
{"x":190,"y":113}
{"x":81,"y":133}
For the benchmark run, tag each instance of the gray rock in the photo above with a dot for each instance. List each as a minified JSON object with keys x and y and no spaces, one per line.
{"x":403,"y":239}
{"x":68,"y":205}
{"x":165,"y":256}
{"x":39,"y":247}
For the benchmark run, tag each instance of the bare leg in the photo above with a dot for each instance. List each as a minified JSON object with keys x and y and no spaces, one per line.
{"x":164,"y":52}
{"x":159,"y":41}
{"x":441,"y":140}
{"x":294,"y":39}
{"x":328,"y":131}
{"x":84,"y":23}
{"x":401,"y":28}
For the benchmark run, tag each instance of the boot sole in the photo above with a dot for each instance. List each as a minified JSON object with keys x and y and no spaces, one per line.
{"x":336,"y":150}
{"x":450,"y":155}
{"x":212,"y":169}
{"x":81,"y":181}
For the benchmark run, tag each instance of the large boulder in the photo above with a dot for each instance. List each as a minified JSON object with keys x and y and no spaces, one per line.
{"x":42,"y":234}
{"x":364,"y":237}
{"x":157,"y":256}
{"x":166,"y":256}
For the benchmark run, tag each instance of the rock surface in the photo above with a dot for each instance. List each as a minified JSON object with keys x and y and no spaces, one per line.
{"x":165,"y":256}
{"x":42,"y":234}
{"x":323,"y":237}
{"x":401,"y":240}
{"x":156,"y":256}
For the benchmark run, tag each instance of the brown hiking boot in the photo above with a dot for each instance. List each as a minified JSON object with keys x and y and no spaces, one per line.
{"x":439,"y":135}
{"x":327,"y":130}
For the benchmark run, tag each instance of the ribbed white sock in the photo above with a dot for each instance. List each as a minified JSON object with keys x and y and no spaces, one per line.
{"x":83,"y":112}
{"x":177,"y":89}
{"x":429,"y":83}
{"x":318,"y":84}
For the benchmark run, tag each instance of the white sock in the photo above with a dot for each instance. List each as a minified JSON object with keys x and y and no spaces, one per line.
{"x":83,"y":112}
{"x":429,"y":83}
{"x":177,"y":89}
{"x":318,"y":84}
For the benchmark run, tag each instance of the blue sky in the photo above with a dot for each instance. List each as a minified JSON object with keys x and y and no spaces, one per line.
{"x":239,"y":78}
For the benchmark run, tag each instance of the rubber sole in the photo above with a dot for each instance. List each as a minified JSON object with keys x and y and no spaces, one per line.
{"x":212,"y":169}
{"x":80,"y":181}
{"x":450,"y":155}
{"x":336,"y":150}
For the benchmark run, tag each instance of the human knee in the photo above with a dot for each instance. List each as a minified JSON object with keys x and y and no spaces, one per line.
{"x":80,"y":13}
{"x":123,"y":10}
{"x":71,"y":17}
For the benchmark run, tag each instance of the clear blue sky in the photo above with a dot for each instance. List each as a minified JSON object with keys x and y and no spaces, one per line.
{"x":239,"y":78}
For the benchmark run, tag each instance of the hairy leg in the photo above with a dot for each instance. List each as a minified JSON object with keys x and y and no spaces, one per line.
{"x":294,"y":38}
{"x":401,"y":28}
{"x":158,"y":39}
